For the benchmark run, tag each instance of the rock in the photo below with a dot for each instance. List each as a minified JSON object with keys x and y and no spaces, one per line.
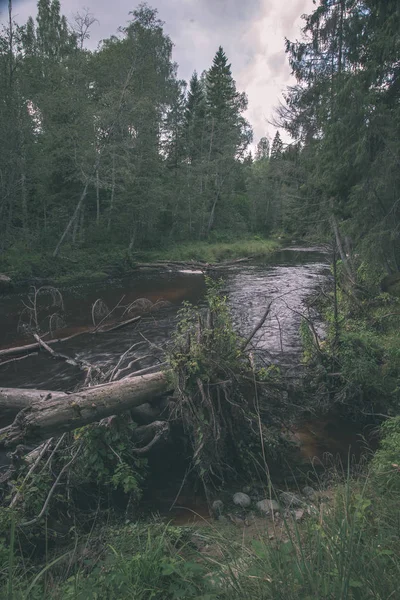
{"x":236,"y":520}
{"x":246,"y":489}
{"x":5,"y":281}
{"x":217,"y":507}
{"x":291,"y":500}
{"x":266,"y":506}
{"x":299,"y":514}
{"x":308,"y":491}
{"x":250,"y":519}
{"x":241,"y":499}
{"x":222,"y":519}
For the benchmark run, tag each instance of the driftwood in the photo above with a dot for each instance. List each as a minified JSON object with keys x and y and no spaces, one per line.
{"x":58,"y":413}
{"x":120,"y":325}
{"x":190,"y":264}
{"x":81,"y":364}
{"x":29,"y":348}
{"x":150,"y":434}
{"x":13,"y":400}
{"x":17,"y":359}
{"x":257,"y":327}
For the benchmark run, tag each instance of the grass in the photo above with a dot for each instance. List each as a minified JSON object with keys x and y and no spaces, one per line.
{"x":214,"y":252}
{"x":97,"y":263}
{"x":346,"y":548}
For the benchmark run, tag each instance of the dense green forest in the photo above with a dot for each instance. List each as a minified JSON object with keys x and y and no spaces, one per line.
{"x":107,"y":156}
{"x":110,"y":147}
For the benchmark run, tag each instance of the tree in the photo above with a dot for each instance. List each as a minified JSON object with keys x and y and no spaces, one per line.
{"x":229,"y":134}
{"x":263,"y":148}
{"x":344,"y":111}
{"x":277,"y":147}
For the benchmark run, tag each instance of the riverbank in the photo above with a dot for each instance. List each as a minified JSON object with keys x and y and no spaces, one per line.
{"x":317,"y":548}
{"x":100,"y":263}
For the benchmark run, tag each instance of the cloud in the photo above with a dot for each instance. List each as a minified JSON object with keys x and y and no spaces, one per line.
{"x":252,"y":33}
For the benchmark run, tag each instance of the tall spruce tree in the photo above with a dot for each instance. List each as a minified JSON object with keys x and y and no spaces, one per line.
{"x":229,"y":136}
{"x":277,"y":147}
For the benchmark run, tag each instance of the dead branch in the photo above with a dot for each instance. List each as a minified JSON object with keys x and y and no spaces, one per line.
{"x":52,"y":490}
{"x":81,"y":364}
{"x":121,"y":325}
{"x":28,"y":348}
{"x":122,"y":358}
{"x":144,"y":371}
{"x":257,"y":327}
{"x":119,"y":372}
{"x":109,"y":314}
{"x":157,"y":429}
{"x":13,"y":360}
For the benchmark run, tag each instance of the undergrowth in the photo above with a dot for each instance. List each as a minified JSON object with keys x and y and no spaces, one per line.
{"x":99,"y":262}
{"x":346,"y":547}
{"x":356,"y":367}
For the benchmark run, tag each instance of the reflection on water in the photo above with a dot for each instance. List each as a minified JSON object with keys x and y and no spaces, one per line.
{"x":287,"y":278}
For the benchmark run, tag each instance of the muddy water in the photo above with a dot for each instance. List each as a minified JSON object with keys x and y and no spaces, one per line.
{"x":287,"y":278}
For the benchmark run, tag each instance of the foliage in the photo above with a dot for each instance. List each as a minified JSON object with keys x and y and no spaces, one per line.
{"x":386,"y":461}
{"x":98,"y":262}
{"x":219,"y":401}
{"x":108,"y":148}
{"x":142,"y":561}
{"x":343,"y":113}
{"x":107,"y":459}
{"x":349,"y":527}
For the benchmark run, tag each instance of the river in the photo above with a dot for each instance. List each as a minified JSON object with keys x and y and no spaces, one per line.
{"x":287,"y":278}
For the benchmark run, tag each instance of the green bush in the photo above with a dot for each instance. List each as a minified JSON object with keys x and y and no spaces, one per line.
{"x":386,"y":461}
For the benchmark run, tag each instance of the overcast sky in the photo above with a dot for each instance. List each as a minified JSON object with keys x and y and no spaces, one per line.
{"x":252,"y":33}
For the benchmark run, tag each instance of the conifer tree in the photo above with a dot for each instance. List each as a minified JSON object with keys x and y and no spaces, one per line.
{"x":277,"y":147}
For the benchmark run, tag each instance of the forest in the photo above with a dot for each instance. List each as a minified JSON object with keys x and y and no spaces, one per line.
{"x":114,"y":170}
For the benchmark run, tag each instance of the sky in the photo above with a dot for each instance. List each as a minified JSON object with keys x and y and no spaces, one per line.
{"x":252,"y":33}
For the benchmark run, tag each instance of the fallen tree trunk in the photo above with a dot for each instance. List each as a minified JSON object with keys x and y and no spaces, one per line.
{"x":58,"y":413}
{"x":193,"y":264}
{"x":13,"y":400}
{"x":29,"y":348}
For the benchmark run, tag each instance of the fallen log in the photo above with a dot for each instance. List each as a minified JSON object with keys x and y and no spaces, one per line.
{"x":193,"y":264}
{"x":13,"y":400}
{"x":51,"y":416}
{"x":29,"y":348}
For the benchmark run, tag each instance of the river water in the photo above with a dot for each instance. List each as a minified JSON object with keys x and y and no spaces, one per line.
{"x":286,"y":278}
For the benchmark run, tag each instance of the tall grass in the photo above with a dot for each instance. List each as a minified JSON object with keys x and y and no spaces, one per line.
{"x":345,"y":548}
{"x":349,"y":550}
{"x":214,"y":252}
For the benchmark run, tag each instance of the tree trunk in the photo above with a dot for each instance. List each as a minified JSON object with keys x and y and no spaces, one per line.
{"x":13,"y":400}
{"x":112,"y":193}
{"x":72,"y":219}
{"x":51,"y":416}
{"x":97,"y":198}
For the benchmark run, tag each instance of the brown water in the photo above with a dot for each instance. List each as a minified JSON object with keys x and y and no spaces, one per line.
{"x":288,"y":278}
